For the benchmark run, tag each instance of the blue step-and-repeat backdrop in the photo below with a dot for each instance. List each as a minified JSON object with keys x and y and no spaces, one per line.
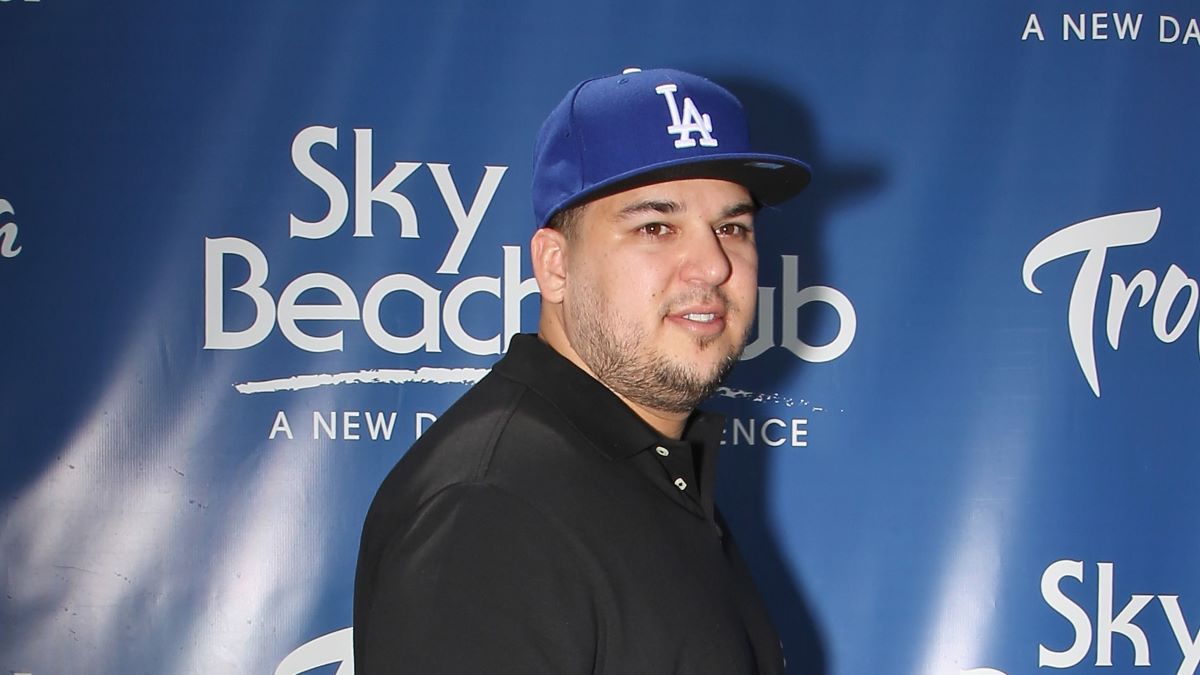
{"x":250,"y":251}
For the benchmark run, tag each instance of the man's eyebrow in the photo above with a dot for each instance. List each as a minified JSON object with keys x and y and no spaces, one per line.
{"x":666,"y":206}
{"x":739,"y":209}
{"x":662,"y":206}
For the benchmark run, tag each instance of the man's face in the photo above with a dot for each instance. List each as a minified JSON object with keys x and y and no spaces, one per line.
{"x":661,"y":289}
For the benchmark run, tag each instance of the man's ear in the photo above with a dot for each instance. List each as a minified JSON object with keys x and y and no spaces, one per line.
{"x":548,"y":249}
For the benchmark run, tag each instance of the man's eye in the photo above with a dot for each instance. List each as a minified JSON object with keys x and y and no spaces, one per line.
{"x":654,"y":229}
{"x":733,"y":230}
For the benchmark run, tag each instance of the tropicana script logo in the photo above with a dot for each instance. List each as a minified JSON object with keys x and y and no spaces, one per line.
{"x":1095,"y":238}
{"x":8,"y":232}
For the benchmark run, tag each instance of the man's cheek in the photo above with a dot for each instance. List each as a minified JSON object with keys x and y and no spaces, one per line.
{"x":745,"y":293}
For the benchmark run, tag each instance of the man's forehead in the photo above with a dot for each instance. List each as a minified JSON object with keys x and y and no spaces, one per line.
{"x":680,"y":196}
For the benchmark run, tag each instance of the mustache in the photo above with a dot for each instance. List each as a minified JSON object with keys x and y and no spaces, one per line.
{"x":712,"y":296}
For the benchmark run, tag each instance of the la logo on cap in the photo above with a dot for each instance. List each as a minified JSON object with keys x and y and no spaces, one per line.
{"x":693,"y":121}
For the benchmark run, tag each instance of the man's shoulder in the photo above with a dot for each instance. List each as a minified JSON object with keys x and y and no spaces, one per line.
{"x":457,"y":448}
{"x":498,"y":432}
{"x":469,"y":428}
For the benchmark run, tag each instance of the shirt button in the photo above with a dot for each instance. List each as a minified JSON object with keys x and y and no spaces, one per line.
{"x":681,"y":483}
{"x":662,"y":451}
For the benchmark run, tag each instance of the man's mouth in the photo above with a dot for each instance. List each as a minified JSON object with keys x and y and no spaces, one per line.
{"x":700,"y":321}
{"x":700,"y":316}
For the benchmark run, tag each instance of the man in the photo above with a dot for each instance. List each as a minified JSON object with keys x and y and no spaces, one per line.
{"x":559,"y":518}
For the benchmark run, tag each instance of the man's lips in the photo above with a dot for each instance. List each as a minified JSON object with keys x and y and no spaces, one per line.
{"x":700,"y":319}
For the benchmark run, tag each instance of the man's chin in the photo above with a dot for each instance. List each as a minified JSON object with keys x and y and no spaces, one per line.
{"x":709,"y":369}
{"x":701,"y":348}
{"x":712,"y":356}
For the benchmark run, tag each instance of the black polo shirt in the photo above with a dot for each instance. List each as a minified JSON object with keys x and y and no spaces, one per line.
{"x":540,"y":526}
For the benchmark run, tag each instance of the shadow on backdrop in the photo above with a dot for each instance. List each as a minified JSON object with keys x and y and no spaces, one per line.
{"x":781,"y":124}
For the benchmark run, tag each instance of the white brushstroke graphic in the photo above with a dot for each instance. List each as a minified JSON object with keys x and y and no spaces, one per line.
{"x":422,"y":375}
{"x":432,"y":375}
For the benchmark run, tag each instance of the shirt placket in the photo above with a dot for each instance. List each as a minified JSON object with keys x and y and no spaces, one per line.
{"x":679,"y":473}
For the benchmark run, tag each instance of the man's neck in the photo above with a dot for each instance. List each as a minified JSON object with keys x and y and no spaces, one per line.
{"x":669,"y":424}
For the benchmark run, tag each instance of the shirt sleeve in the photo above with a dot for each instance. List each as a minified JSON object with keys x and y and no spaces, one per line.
{"x":481,"y":582}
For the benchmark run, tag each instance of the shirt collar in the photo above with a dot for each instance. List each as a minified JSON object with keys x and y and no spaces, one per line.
{"x":601,"y":416}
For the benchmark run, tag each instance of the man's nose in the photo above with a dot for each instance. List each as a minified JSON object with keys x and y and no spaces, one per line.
{"x":705,"y":260}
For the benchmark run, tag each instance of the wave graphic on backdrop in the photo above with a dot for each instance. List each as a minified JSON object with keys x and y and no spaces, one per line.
{"x":759,"y":397}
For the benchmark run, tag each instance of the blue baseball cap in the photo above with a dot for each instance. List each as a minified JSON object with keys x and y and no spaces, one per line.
{"x":615,"y":133}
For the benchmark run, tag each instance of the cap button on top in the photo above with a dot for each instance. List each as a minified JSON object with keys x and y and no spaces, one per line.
{"x":628,"y":71}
